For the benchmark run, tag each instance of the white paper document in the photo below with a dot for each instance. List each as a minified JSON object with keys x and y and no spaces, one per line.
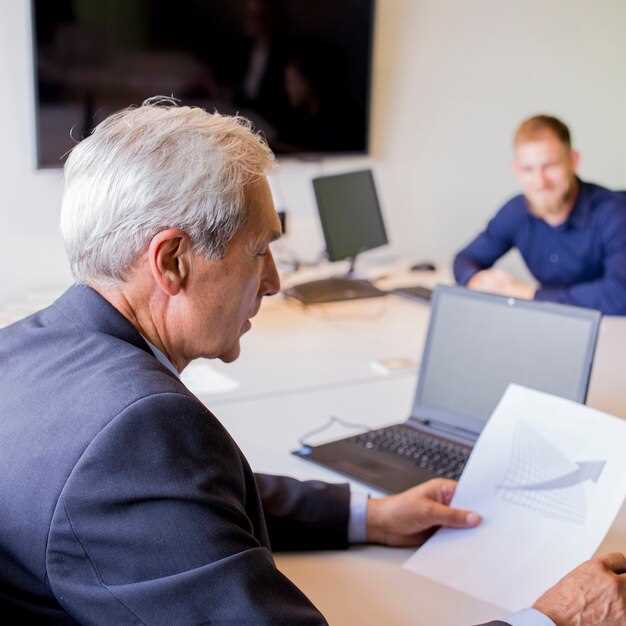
{"x":548,"y":476}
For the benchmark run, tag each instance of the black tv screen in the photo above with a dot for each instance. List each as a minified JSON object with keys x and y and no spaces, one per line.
{"x":299,"y":69}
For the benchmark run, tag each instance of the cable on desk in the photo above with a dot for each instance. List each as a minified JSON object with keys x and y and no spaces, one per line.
{"x":331,"y":420}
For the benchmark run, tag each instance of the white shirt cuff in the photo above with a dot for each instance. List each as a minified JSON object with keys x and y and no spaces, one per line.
{"x":357,"y":526}
{"x":529,"y":617}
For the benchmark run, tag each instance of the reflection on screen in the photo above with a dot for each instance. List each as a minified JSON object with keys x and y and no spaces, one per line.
{"x":300,"y":70}
{"x":350,"y":214}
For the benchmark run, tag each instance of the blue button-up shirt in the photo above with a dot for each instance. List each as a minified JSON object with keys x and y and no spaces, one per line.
{"x":580,"y":262}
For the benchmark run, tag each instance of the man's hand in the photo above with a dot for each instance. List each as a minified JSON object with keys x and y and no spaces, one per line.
{"x":401,"y":520}
{"x":498,"y":281}
{"x":594,"y":594}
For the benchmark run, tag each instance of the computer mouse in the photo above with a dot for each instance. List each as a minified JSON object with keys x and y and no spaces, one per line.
{"x":424,"y":266}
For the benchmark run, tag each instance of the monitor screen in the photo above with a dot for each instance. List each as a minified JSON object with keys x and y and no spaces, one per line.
{"x":350,"y":214}
{"x":478,"y":344}
{"x":298,"y":69}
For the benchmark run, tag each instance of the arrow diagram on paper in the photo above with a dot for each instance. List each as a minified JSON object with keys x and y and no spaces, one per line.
{"x":586,"y":470}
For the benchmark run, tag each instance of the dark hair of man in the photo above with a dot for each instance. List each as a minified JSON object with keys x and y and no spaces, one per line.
{"x":536,"y":127}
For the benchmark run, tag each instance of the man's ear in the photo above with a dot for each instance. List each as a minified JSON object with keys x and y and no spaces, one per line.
{"x":575,"y":156}
{"x":168,"y":254}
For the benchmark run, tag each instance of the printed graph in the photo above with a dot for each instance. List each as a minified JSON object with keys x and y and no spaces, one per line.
{"x":540,"y":477}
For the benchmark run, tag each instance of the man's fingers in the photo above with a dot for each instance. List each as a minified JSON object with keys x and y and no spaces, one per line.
{"x":440,"y":489}
{"x":454,"y":518}
{"x":615,"y":561}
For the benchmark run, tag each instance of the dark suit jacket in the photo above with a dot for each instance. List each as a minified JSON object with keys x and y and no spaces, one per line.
{"x":124,"y":501}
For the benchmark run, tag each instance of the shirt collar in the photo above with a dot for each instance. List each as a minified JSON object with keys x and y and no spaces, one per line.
{"x":578,"y":217}
{"x":162,"y":358}
{"x":580,"y":211}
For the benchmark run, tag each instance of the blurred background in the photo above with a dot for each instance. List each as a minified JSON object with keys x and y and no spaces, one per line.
{"x":425,"y":92}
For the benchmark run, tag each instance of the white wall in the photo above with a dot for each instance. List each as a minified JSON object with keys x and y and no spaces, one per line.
{"x":31,"y":252}
{"x":452,"y":79}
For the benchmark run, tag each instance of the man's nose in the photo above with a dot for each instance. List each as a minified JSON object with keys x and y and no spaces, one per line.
{"x":541,"y":178}
{"x":270,"y":284}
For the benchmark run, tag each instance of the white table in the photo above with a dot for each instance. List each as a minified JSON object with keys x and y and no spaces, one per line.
{"x":293,"y":348}
{"x":297,"y":368}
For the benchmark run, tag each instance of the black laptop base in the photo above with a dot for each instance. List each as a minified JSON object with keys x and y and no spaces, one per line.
{"x":389,"y":471}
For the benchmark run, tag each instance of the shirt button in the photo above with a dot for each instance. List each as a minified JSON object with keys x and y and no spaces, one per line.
{"x":554,"y":257}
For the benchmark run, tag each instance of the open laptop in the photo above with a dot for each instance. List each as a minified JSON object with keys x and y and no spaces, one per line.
{"x":477,"y":344}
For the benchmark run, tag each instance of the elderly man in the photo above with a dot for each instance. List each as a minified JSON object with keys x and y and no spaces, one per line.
{"x":571,"y":234}
{"x":124,"y":499}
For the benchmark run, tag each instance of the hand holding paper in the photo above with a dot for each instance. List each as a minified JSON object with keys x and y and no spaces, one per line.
{"x":401,"y":520}
{"x":548,"y":476}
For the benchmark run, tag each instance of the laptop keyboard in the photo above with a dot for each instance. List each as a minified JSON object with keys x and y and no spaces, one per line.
{"x":443,"y":458}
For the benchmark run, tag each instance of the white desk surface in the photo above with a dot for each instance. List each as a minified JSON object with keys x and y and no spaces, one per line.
{"x":297,"y":368}
{"x":292,"y":348}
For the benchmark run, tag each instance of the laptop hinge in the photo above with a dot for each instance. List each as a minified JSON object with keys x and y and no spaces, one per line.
{"x":437,"y":426}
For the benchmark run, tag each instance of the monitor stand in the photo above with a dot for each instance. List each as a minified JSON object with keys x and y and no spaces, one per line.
{"x":334,"y":289}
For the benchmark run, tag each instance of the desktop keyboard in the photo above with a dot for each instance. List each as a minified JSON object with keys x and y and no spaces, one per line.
{"x":333,"y":290}
{"x":439,"y":456}
{"x":415,"y":292}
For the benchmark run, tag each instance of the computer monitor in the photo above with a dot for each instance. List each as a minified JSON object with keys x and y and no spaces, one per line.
{"x":350,"y":214}
{"x":352,"y":223}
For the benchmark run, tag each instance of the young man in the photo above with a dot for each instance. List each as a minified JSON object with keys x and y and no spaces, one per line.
{"x":570,"y":233}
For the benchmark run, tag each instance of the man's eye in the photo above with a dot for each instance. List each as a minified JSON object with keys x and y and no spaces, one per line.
{"x":263,"y":252}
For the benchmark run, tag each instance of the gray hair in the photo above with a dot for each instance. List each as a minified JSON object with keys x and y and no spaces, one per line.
{"x":153,"y":167}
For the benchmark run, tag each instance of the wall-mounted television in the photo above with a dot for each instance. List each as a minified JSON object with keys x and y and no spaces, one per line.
{"x":299,"y":69}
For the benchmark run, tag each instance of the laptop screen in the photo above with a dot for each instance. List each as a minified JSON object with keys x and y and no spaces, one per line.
{"x":478,"y":344}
